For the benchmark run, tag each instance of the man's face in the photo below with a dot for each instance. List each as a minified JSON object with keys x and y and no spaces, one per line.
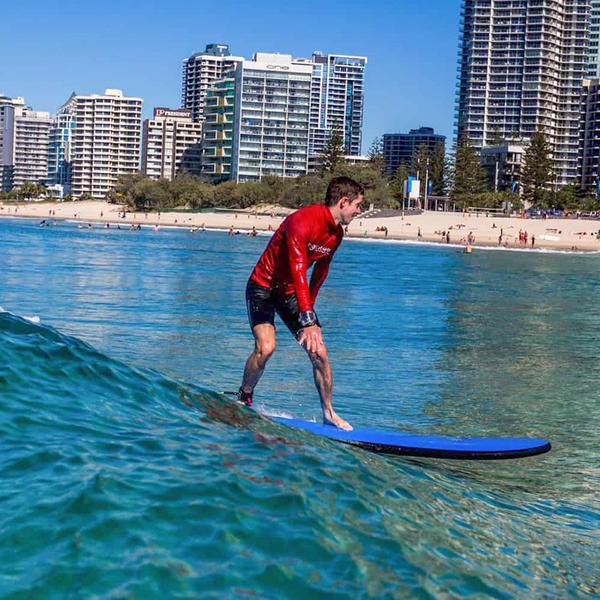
{"x":350,"y":208}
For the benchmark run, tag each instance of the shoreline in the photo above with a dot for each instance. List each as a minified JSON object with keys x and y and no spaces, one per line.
{"x":563,"y":235}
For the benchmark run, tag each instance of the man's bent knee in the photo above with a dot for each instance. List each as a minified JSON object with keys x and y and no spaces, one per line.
{"x":264,"y":349}
{"x":264,"y":341}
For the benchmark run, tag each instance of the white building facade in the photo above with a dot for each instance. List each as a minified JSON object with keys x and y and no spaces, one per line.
{"x":521,"y":66}
{"x":105,"y":141}
{"x":171,"y":144}
{"x":24,"y":153}
{"x":271,"y":120}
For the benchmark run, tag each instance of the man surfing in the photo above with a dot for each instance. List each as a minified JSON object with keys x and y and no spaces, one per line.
{"x":279,"y":284}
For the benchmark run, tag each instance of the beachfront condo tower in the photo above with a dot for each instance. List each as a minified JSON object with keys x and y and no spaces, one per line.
{"x":271,"y":117}
{"x":171,"y":144}
{"x":521,"y":67}
{"x":24,"y":144}
{"x":200,"y":70}
{"x":337,"y":100}
{"x":105,"y":141}
{"x":217,"y":136}
{"x":59,"y":149}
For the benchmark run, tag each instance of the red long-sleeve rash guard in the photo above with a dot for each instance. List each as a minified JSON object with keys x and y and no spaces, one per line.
{"x":307,"y":236}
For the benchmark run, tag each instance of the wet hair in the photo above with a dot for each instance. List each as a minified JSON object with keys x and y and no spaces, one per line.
{"x":340,"y":187}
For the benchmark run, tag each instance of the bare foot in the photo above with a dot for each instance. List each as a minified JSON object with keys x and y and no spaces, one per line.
{"x":333,"y":419}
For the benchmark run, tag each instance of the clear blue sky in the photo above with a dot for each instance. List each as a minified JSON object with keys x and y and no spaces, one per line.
{"x":50,"y":49}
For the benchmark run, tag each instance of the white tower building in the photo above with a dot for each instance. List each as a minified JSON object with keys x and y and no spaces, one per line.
{"x":24,"y":144}
{"x":521,"y":66}
{"x":105,"y":141}
{"x":271,"y":122}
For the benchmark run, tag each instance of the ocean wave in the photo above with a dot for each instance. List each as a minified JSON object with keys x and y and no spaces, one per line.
{"x":119,"y":481}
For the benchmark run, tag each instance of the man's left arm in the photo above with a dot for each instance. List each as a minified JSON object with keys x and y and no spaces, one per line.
{"x":321,"y":269}
{"x":319,"y":274}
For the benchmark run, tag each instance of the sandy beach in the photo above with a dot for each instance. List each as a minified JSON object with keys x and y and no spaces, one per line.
{"x":558,"y":234}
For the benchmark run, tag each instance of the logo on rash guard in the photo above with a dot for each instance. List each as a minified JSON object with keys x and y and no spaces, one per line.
{"x":316,"y":248}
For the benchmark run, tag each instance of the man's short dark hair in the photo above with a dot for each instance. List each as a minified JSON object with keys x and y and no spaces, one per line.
{"x":340,"y":187}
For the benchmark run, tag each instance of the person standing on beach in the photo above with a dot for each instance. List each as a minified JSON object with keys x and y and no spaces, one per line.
{"x":279,"y":284}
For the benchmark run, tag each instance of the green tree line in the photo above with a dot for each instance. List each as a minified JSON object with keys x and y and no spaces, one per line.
{"x":139,"y":192}
{"x":469,"y":184}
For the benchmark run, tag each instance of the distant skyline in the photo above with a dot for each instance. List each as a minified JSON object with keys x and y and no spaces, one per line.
{"x":50,"y":50}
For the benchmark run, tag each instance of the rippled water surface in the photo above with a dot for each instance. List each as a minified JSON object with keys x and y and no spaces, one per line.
{"x":125,"y":474}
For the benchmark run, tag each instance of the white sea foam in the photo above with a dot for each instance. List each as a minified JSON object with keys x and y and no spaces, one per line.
{"x":282,"y":413}
{"x":274,"y":413}
{"x":34,"y":319}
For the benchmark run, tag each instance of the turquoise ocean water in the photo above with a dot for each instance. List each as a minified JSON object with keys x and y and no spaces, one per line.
{"x":125,"y":474}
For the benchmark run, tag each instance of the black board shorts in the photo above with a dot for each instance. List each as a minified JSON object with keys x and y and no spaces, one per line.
{"x":262,"y":304}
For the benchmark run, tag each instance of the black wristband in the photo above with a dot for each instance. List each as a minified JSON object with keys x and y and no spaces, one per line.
{"x":308,"y":318}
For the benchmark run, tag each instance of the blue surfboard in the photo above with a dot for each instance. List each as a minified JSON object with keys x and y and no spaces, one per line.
{"x":425,"y":445}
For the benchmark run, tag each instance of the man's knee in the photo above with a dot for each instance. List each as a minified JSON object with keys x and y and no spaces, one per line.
{"x":264,"y":349}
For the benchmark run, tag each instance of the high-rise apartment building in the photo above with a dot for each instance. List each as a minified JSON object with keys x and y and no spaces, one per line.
{"x":171,"y":144}
{"x":199,"y":71}
{"x":337,"y":100}
{"x":24,"y":136}
{"x":522,"y":63}
{"x":217,"y":135}
{"x":594,"y":44}
{"x":271,"y":117}
{"x":5,"y":170}
{"x":401,"y":148}
{"x":336,"y":94}
{"x":59,"y":147}
{"x":105,"y":141}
